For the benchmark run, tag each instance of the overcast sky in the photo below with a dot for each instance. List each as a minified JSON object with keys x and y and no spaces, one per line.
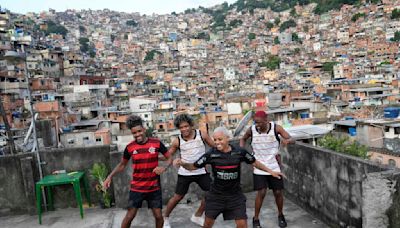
{"x":142,"y":6}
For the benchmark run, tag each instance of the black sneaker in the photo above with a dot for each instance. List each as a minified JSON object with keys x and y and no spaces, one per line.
{"x":282,"y":221}
{"x":256,"y":223}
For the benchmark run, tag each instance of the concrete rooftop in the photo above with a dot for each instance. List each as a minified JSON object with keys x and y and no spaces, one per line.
{"x":296,"y":217}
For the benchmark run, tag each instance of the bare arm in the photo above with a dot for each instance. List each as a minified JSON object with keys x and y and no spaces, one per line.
{"x":119,"y":168}
{"x":261,"y":166}
{"x":172,"y":150}
{"x":189,"y":166}
{"x":207,"y":139}
{"x":168,"y":158}
{"x":284,"y":134}
{"x":246,"y":136}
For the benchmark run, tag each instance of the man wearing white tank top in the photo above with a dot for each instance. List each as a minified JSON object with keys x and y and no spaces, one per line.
{"x":192,"y":145}
{"x":265,"y":140}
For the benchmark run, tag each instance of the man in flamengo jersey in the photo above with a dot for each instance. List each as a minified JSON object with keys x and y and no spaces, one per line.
{"x":145,"y":184}
{"x":191,"y":145}
{"x":265,"y":140}
{"x":225,"y":195}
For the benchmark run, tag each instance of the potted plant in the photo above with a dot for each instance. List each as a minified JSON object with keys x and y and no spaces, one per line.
{"x":99,"y":173}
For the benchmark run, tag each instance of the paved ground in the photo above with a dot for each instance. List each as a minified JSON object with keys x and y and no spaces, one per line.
{"x":111,"y":218}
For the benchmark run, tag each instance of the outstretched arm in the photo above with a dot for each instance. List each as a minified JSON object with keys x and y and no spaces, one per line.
{"x":246,"y":136}
{"x":207,"y":139}
{"x":119,"y":168}
{"x":284,"y":135}
{"x":261,"y":166}
{"x":189,"y":166}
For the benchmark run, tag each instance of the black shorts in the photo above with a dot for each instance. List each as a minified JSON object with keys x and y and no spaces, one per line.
{"x":232,"y":207}
{"x":267,"y":181}
{"x":182,"y":186}
{"x":154,"y":199}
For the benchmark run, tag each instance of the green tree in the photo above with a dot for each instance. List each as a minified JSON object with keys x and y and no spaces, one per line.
{"x":287,"y":24}
{"x":251,"y":36}
{"x":272,"y":62}
{"x":203,"y":36}
{"x":132,"y":23}
{"x":276,"y":40}
{"x":84,"y":44}
{"x":269,"y":25}
{"x":396,"y":37}
{"x":293,"y":12}
{"x":328,"y":67}
{"x":55,"y":28}
{"x":150,"y":55}
{"x":356,"y":16}
{"x":277,"y":21}
{"x":235,"y":23}
{"x":295,"y":37}
{"x":343,"y":145}
{"x":395,"y":14}
{"x":82,"y":29}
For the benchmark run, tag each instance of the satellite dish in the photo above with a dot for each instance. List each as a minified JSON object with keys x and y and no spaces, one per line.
{"x":243,"y":123}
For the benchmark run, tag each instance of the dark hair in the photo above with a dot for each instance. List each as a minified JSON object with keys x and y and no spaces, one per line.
{"x":183,"y":118}
{"x":134,"y":121}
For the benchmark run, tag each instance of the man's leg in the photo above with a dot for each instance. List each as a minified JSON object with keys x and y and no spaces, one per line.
{"x":204,"y":182}
{"x":172,"y":204}
{"x":158,"y":217}
{"x":130,"y":215}
{"x":258,"y":203}
{"x":201,"y":208}
{"x":278,"y":194}
{"x":241,"y":223}
{"x":209,"y":222}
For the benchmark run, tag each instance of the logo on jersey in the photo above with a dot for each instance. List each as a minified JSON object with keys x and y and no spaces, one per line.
{"x":135,"y":152}
{"x":227,"y":176}
{"x":152,"y":150}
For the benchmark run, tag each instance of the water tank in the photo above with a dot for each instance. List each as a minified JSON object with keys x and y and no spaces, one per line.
{"x":352,"y":131}
{"x":274,"y":100}
{"x":304,"y":115}
{"x":391,"y":112}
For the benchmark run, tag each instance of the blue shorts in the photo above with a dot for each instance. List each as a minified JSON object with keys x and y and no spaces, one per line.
{"x":154,"y":199}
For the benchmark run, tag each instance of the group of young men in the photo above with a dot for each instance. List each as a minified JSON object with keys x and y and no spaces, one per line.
{"x":223,"y":194}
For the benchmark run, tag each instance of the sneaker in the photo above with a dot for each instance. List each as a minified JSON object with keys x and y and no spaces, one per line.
{"x":197,"y":220}
{"x":166,"y":223}
{"x":282,"y":221}
{"x":256,"y":223}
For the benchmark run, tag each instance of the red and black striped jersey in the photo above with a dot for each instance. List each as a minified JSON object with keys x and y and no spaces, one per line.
{"x":144,"y":160}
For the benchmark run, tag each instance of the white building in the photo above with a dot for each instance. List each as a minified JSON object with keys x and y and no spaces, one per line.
{"x":143,"y":107}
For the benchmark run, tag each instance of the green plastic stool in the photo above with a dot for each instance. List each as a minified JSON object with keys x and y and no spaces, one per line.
{"x":49,"y":181}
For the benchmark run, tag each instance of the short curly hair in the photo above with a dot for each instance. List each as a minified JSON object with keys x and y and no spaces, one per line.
{"x":183,"y":118}
{"x":134,"y":121}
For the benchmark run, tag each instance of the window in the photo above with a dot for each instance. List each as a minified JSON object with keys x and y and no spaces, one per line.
{"x":71,"y":141}
{"x":379,"y":159}
{"x":86,"y":138}
{"x":98,"y":139}
{"x":392,"y":162}
{"x":397,"y":130}
{"x":146,"y":116}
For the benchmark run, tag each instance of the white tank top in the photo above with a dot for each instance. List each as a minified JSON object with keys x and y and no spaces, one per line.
{"x":191,"y":151}
{"x":265,"y":147}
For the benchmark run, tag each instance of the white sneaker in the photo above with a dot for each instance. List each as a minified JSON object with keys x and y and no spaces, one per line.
{"x":166,"y":223}
{"x":198,"y":220}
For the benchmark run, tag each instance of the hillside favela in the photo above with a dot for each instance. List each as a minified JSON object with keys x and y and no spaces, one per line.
{"x":247,"y":113}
